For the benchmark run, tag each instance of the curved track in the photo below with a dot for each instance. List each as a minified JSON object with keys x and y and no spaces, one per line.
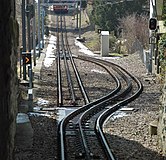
{"x":83,"y":127}
{"x":80,"y":133}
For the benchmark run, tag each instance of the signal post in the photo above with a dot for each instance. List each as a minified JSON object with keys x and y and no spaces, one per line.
{"x":27,"y":59}
{"x":152,"y":41}
{"x":152,"y":33}
{"x":26,"y":56}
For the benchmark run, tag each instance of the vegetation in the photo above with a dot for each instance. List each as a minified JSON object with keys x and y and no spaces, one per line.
{"x":164,"y":12}
{"x":107,"y":16}
{"x":162,"y":45}
{"x":126,"y":20}
{"x":135,"y":31}
{"x":162,"y":55}
{"x":84,"y":4}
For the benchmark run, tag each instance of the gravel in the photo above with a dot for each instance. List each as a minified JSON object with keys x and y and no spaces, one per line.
{"x":129,"y":135}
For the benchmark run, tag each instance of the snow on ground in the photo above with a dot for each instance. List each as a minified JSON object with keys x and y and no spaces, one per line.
{"x":83,"y":48}
{"x":50,"y":55}
{"x":97,"y":71}
{"x":42,"y":102}
{"x":86,"y":50}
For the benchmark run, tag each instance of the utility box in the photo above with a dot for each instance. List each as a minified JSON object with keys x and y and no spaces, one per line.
{"x":146,"y":58}
{"x":104,"y":43}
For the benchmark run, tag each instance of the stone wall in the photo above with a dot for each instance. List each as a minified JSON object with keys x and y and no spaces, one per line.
{"x":162,"y":122}
{"x":8,"y":78}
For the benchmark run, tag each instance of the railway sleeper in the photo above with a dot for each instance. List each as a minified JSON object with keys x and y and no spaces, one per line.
{"x":62,"y":56}
{"x":70,"y":133}
{"x":82,"y":156}
{"x":90,"y":132}
{"x":67,"y":54}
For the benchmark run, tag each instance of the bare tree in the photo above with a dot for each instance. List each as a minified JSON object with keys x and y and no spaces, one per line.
{"x":135,"y":30}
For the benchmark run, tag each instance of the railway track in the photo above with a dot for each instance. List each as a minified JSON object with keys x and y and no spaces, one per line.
{"x":80,"y":134}
{"x":84,"y":125}
{"x":64,"y":54}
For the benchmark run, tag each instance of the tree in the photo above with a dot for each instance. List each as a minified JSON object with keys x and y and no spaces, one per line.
{"x":107,"y":16}
{"x":135,"y":29}
{"x":84,"y":4}
{"x":164,"y":12}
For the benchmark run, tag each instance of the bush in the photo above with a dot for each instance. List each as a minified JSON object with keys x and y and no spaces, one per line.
{"x":162,"y":55}
{"x":112,"y":43}
{"x":135,"y":28}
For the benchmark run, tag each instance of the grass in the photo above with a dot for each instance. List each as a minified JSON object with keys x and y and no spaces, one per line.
{"x":92,"y":40}
{"x":115,"y":55}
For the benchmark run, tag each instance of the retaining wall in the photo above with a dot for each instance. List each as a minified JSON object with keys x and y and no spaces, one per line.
{"x":8,"y":78}
{"x":162,"y":122}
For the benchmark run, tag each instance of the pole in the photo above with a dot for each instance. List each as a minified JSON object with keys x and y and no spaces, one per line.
{"x":21,"y":48}
{"x":28,"y":25}
{"x":29,"y":41}
{"x":151,"y":34}
{"x":34,"y":33}
{"x":80,"y":21}
{"x":43,"y":26}
{"x":39,"y":26}
{"x":24,"y":37}
{"x":77,"y":18}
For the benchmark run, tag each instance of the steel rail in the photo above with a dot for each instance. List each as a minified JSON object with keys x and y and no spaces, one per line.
{"x":69,"y":79}
{"x":101,"y":119}
{"x":81,"y":110}
{"x":82,"y":118}
{"x":93,"y":106}
{"x":61,"y":128}
{"x":59,"y":77}
{"x":98,"y":107}
{"x":105,"y":114}
{"x":66,"y":53}
{"x":78,"y":78}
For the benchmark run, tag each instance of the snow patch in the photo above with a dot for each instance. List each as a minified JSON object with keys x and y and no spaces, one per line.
{"x":42,"y":102}
{"x":50,"y":55}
